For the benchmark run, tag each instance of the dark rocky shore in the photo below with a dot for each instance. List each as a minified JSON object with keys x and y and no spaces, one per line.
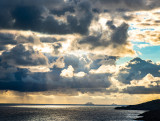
{"x":153,"y":115}
{"x":152,"y":108}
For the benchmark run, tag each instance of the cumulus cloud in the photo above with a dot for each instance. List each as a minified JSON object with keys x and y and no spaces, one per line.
{"x":72,"y":46}
{"x":51,"y":81}
{"x":148,"y":85}
{"x":67,"y":72}
{"x":40,"y":16}
{"x":112,"y":42}
{"x":20,"y":56}
{"x":31,"y":70}
{"x":137,"y":69}
{"x":104,"y":69}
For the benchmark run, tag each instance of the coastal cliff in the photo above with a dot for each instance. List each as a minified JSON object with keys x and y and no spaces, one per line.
{"x":152,"y":108}
{"x":151,"y":105}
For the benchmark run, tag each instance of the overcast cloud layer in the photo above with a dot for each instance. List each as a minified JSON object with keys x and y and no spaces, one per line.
{"x":73,"y":45}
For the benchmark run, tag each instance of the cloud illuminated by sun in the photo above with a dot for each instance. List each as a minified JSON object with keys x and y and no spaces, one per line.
{"x":45,"y":48}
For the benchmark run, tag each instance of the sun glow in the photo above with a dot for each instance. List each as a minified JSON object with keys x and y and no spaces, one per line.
{"x":65,"y":45}
{"x":45,"y":48}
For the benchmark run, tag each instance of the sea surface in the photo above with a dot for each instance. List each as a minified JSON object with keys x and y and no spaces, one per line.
{"x":65,"y":113}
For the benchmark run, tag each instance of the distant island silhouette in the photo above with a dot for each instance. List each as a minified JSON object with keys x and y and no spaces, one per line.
{"x":113,"y":104}
{"x":152,"y":107}
{"x":89,"y":103}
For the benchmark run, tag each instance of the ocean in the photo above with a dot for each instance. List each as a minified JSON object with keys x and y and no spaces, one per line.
{"x":65,"y":113}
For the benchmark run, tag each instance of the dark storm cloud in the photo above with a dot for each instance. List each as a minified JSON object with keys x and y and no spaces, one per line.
{"x":118,"y":37}
{"x":140,"y":77}
{"x":7,"y":72}
{"x":111,"y":25}
{"x":94,"y":41}
{"x":76,"y":62}
{"x":21,"y":57}
{"x":63,"y":11}
{"x":8,"y":3}
{"x":86,"y":63}
{"x":91,"y":81}
{"x":29,"y":15}
{"x":122,"y":10}
{"x":96,"y":10}
{"x":14,"y":39}
{"x":24,"y":81}
{"x":81,"y":22}
{"x":155,"y":4}
{"x":127,"y":18}
{"x":124,"y":4}
{"x":53,"y":80}
{"x":45,"y":16}
{"x":6,"y":38}
{"x":127,"y":2}
{"x":79,"y":64}
{"x":20,"y":81}
{"x":32,"y":15}
{"x":136,"y":69}
{"x":142,"y":90}
{"x":99,"y":60}
{"x":12,"y":78}
{"x":22,"y":39}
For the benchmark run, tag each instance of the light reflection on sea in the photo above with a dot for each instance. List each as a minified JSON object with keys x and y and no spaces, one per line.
{"x":65,"y":113}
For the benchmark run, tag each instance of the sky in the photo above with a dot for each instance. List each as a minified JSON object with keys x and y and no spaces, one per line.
{"x":78,"y":51}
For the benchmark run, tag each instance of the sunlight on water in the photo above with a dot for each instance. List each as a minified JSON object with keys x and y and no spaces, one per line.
{"x":42,"y":106}
{"x":65,"y":113}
